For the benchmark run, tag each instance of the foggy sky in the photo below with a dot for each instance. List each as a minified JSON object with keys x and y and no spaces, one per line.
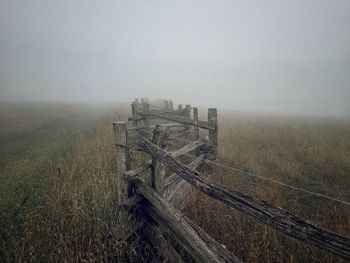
{"x":286,"y":56}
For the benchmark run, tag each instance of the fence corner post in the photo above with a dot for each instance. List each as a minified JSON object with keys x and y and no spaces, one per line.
{"x":134,"y":113}
{"x":160,"y":135}
{"x":166,"y":104}
{"x":195,"y":118}
{"x":123,"y":164}
{"x":213,"y":133}
{"x":171,"y":105}
{"x":145,"y":107}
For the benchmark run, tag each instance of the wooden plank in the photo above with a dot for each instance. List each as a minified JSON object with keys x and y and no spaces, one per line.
{"x":133,"y":201}
{"x":174,"y":128}
{"x":188,"y":111}
{"x":171,"y":125}
{"x":158,"y":169}
{"x":173,"y":179}
{"x":176,"y":188}
{"x":213,"y":134}
{"x":146,"y":108}
{"x":189,"y":147}
{"x":275,"y":217}
{"x":178,"y":141}
{"x":194,"y":240}
{"x":158,"y":240}
{"x":147,"y":165}
{"x":195,"y":119}
{"x":183,"y":120}
{"x":123,"y":164}
{"x":171,"y":105}
{"x":161,"y":111}
{"x":166,"y":104}
{"x":136,"y":119}
{"x":134,"y":112}
{"x":181,"y":134}
{"x":188,"y":116}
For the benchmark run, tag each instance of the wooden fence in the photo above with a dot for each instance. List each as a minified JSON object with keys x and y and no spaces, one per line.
{"x":155,"y":129}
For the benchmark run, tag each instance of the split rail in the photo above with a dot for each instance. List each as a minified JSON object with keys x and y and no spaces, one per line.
{"x":151,"y":195}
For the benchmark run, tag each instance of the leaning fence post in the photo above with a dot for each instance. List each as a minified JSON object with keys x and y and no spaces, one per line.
{"x":158,"y":169}
{"x":195,"y":118}
{"x":145,"y":108}
{"x":134,"y":113}
{"x":188,"y":111}
{"x":187,"y":115}
{"x":166,"y":104}
{"x":213,"y":134}
{"x":123,"y":164}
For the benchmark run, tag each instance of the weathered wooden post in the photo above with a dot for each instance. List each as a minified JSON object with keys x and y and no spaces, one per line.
{"x":195,"y":118}
{"x":187,"y":115}
{"x":137,"y":104}
{"x":213,"y":133}
{"x":188,"y":111}
{"x":134,"y":113}
{"x":166,"y":105}
{"x":171,"y":105}
{"x":145,"y":108}
{"x":123,"y":164}
{"x":160,"y":135}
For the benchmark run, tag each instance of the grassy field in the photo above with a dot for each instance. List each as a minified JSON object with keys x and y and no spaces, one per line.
{"x":58,"y":192}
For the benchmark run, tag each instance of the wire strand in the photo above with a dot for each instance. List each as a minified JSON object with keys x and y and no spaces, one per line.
{"x":270,"y":180}
{"x":278,"y":182}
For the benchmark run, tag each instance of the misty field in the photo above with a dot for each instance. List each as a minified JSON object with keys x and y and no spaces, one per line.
{"x":58,"y":187}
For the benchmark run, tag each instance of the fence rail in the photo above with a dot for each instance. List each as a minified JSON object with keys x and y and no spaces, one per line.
{"x":153,"y":128}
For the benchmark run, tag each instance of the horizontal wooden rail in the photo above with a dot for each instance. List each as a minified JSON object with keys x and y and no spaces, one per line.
{"x":175,"y":183}
{"x":189,"y":147}
{"x":193,"y":239}
{"x":182,"y":151}
{"x":175,"y":118}
{"x":172,"y":125}
{"x":156,"y":237}
{"x":136,"y":119}
{"x":278,"y":218}
{"x":181,"y":134}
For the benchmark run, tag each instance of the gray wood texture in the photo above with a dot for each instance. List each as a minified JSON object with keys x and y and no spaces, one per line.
{"x":213,"y":133}
{"x":275,"y":217}
{"x":158,"y":169}
{"x":194,"y":240}
{"x":123,"y":164}
{"x":162,"y":244}
{"x":183,"y":120}
{"x":176,"y":189}
{"x":184,"y":150}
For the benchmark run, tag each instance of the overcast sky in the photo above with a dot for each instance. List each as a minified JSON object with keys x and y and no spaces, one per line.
{"x":286,"y":56}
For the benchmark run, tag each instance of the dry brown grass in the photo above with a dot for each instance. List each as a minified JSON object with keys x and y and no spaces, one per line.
{"x":306,"y":152}
{"x":74,"y":220}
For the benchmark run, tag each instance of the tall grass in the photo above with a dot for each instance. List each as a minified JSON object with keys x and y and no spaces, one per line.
{"x":74,"y":220}
{"x":312,"y":153}
{"x":74,"y":217}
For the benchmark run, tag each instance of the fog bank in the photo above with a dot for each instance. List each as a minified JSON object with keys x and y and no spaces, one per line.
{"x":279,"y":56}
